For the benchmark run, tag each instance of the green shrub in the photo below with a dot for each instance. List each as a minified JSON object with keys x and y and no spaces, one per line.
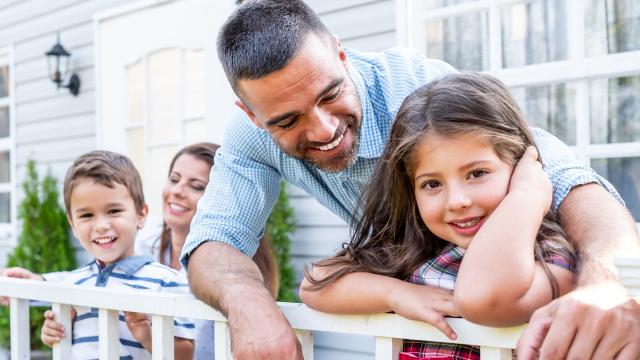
{"x":44,"y":244}
{"x":280,"y":226}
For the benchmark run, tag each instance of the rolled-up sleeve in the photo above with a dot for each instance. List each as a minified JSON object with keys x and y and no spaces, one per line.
{"x":241,"y":192}
{"x":564,"y":170}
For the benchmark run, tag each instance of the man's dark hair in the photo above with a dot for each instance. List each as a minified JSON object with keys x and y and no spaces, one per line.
{"x":262,"y":36}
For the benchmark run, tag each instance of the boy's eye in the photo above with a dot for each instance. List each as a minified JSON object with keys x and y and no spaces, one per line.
{"x":477,"y":173}
{"x":85,"y":216}
{"x":114,"y":211}
{"x":431,"y":184}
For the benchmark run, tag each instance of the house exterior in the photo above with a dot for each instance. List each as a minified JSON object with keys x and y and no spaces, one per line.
{"x":150,"y":83}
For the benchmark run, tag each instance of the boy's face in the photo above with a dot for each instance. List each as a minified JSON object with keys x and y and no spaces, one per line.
{"x":105,"y":219}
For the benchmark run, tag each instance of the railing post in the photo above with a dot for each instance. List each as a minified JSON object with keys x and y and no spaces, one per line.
{"x":62,"y":350}
{"x":387,"y":348}
{"x":306,"y":341}
{"x":19,"y":318}
{"x":109,"y":339}
{"x":492,"y":353}
{"x":222,"y":339}
{"x":162,"y":340}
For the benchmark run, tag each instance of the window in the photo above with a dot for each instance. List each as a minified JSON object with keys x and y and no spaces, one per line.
{"x":573,"y":66}
{"x":7,"y":173}
{"x":165,"y":110}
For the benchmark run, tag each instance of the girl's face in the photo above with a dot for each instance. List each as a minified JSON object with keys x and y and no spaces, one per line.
{"x":459,"y":181}
{"x":186,"y":183}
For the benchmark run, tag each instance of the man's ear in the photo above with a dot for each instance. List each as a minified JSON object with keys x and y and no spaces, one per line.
{"x":142,"y":216}
{"x":338,"y":46}
{"x":249,"y":113}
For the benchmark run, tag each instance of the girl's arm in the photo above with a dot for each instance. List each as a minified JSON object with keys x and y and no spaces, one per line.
{"x":366,"y":293}
{"x":499,"y":282}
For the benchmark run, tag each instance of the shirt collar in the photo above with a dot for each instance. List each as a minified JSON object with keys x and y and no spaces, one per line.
{"x":129,"y":265}
{"x":371,"y":141}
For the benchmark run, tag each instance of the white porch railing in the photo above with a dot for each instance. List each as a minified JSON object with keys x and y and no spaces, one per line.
{"x":388,"y":329}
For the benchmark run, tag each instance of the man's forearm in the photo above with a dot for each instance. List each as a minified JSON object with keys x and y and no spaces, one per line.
{"x":221,"y":275}
{"x":601,"y":229}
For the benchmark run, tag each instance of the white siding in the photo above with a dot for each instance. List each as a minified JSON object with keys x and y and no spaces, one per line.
{"x":52,"y":126}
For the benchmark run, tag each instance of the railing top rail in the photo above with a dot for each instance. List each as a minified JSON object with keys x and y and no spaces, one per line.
{"x":300,"y":316}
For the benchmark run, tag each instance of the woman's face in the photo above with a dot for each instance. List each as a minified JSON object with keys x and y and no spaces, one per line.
{"x":186,"y":183}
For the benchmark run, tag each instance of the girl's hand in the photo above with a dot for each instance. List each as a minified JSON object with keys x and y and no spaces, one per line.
{"x":52,"y":331}
{"x":531,"y":181}
{"x":424,"y":303}
{"x":140,"y":326}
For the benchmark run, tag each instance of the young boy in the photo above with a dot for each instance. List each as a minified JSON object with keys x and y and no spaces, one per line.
{"x":105,"y":206}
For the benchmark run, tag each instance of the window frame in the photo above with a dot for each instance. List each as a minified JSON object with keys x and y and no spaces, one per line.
{"x":578,"y":69}
{"x":8,"y":231}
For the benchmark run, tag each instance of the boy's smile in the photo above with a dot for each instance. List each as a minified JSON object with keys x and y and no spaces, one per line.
{"x":104,"y":219}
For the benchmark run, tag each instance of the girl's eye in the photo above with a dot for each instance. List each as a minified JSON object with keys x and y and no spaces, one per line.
{"x":431,"y":184}
{"x":198,"y":188}
{"x":477,"y":173}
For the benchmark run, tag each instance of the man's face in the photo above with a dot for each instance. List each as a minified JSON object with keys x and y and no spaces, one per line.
{"x":310,"y":107}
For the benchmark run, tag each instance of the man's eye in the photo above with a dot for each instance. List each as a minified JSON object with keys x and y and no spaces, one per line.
{"x":286,"y":124}
{"x":333,"y":96}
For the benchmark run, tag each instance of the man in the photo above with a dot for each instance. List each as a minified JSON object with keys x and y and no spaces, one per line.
{"x":318,"y":115}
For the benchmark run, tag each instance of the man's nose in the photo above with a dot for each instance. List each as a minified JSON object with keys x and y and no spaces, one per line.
{"x":322,"y":126}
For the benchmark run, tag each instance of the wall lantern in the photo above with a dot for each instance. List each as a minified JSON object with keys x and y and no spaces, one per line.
{"x":57,"y":57}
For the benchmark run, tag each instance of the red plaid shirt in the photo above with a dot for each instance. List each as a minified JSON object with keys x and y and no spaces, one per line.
{"x":441,"y":272}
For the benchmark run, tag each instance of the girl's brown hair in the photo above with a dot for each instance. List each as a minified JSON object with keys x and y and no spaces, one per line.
{"x":264,"y":257}
{"x":389,"y":237}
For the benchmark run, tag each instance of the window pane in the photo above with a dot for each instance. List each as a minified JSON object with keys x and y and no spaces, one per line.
{"x":5,"y":207}
{"x":435,"y":4}
{"x":135,"y":145}
{"x":615,"y":110}
{"x":135,"y":92}
{"x":195,"y":131}
{"x":164,"y":96}
{"x":159,"y":161}
{"x":534,"y":33}
{"x":4,"y":81}
{"x":612,"y":26}
{"x":194,"y":84}
{"x":4,"y":122}
{"x":624,"y":174}
{"x":462,"y":41}
{"x":5,"y":167}
{"x":550,"y":107}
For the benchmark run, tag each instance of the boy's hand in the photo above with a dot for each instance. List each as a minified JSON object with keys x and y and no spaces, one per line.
{"x":19,"y":273}
{"x":140,"y":326}
{"x":52,"y":331}
{"x":529,"y":178}
{"x":425,"y":303}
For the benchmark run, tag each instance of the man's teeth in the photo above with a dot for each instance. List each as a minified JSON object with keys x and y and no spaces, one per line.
{"x":467,"y":224}
{"x":104,"y":240}
{"x":332,"y":145}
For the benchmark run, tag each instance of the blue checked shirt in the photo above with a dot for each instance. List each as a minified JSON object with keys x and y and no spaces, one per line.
{"x":244,"y":182}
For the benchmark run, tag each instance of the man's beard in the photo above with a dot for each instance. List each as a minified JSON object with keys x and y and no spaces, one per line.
{"x":339,"y":162}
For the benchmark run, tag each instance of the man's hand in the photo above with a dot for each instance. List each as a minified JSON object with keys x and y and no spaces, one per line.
{"x":19,"y":273}
{"x":230,"y":281}
{"x":593,"y":322}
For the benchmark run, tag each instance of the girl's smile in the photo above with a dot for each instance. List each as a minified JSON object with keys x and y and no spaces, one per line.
{"x":459,"y":181}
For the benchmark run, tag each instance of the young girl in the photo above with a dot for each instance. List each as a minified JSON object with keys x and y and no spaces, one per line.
{"x":446,"y":188}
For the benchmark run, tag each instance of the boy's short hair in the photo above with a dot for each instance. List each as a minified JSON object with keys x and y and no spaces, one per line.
{"x":106,"y":168}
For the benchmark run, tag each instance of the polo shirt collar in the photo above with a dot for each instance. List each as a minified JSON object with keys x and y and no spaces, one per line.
{"x":129,"y":265}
